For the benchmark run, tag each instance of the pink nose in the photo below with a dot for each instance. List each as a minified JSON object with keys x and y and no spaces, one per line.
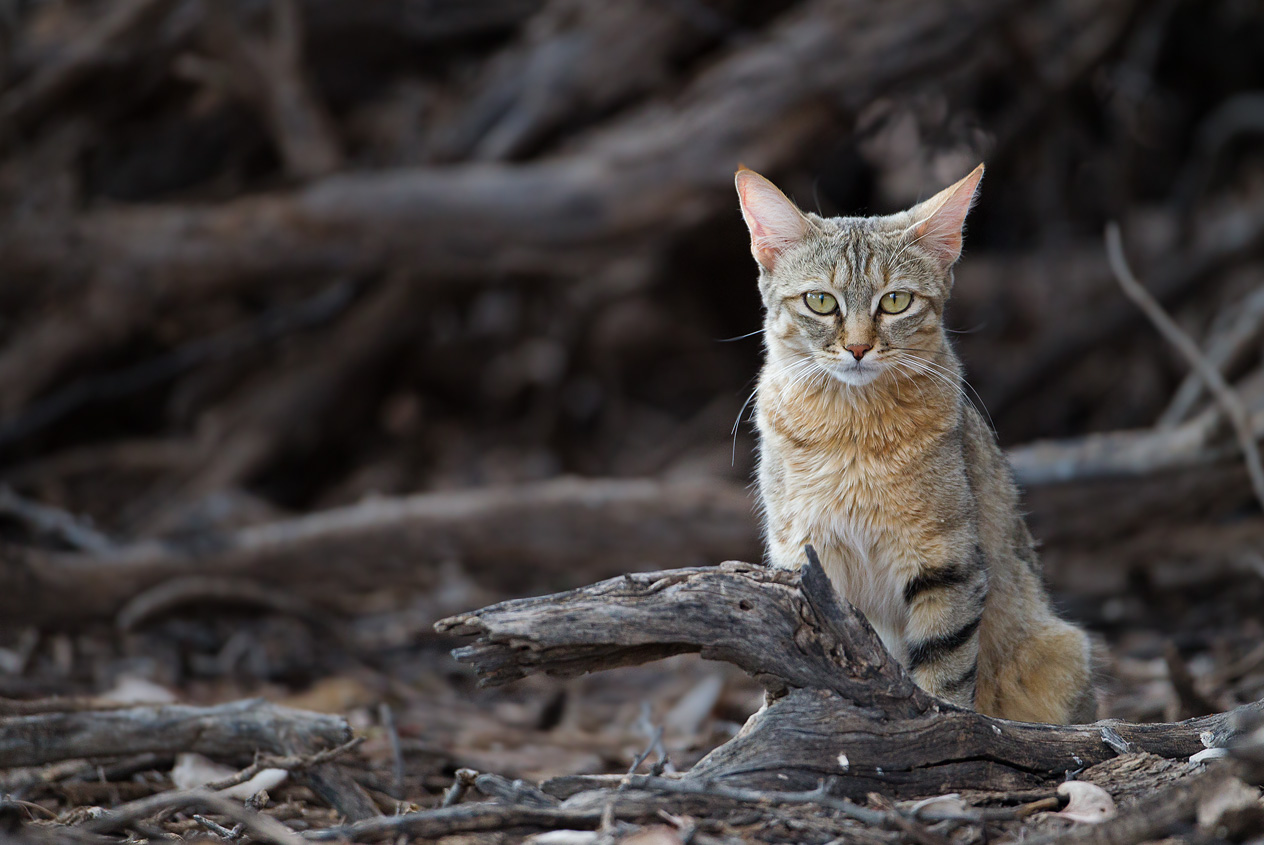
{"x":858,"y":350}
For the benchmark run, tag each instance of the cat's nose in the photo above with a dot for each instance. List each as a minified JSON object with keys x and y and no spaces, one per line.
{"x":858,"y":350}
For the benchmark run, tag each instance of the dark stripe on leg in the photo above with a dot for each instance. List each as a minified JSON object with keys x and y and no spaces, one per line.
{"x":922,"y":653}
{"x":936,"y":579}
{"x":967,"y":679}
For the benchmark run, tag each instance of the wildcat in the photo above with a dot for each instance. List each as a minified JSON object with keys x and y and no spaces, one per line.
{"x":870,"y":451}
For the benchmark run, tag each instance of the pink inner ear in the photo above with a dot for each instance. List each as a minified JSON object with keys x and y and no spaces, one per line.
{"x":940,"y":233}
{"x":773,"y":220}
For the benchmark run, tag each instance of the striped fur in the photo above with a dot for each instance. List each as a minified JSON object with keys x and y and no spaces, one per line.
{"x":882,"y":465}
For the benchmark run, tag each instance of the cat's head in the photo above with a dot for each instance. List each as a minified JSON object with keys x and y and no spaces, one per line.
{"x":859,"y":296}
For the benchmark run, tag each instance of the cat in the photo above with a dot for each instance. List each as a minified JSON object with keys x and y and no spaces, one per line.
{"x":870,"y":451}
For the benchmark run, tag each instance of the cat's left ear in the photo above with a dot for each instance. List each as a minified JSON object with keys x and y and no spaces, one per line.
{"x":942,"y":219}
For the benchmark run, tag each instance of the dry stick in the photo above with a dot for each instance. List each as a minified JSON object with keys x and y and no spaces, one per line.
{"x":53,"y":522}
{"x":261,"y":827}
{"x":466,"y":818}
{"x":218,"y":829}
{"x":1230,"y":338}
{"x":1220,"y":389}
{"x":397,"y":751}
{"x":465,"y":778}
{"x":240,"y":727}
{"x":293,"y":763}
{"x":236,"y":728}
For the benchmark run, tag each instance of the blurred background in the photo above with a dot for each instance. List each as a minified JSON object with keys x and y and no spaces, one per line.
{"x":323,"y":319}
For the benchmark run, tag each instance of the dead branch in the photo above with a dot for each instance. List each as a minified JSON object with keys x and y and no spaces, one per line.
{"x":847,"y":709}
{"x":241,"y":728}
{"x":470,"y":818}
{"x":52,"y":522}
{"x":268,"y":74}
{"x":549,"y":530}
{"x":259,"y":826}
{"x":238,"y":729}
{"x":132,"y":27}
{"x":1231,"y":336}
{"x":1130,"y":453}
{"x":1225,"y":396}
{"x":573,"y":62}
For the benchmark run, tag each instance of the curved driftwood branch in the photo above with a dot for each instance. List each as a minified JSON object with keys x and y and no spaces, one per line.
{"x":787,"y":630}
{"x":847,"y":710}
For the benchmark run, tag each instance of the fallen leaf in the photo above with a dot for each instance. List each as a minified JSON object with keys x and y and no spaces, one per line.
{"x":129,"y":689}
{"x":1087,"y":802}
{"x":194,"y":770}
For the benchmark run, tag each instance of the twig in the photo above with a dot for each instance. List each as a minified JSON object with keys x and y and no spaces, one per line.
{"x":397,"y":752}
{"x":218,"y":829}
{"x":513,"y":792}
{"x":168,"y":595}
{"x":655,"y":744}
{"x":1231,"y":336}
{"x":53,"y":522}
{"x":465,"y":818}
{"x":914,"y":830}
{"x":293,"y":763}
{"x":465,"y":778}
{"x":1219,"y":388}
{"x":821,"y":796}
{"x":264,"y":828}
{"x":1191,"y":701}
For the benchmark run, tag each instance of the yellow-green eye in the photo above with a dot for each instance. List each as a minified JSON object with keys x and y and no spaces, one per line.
{"x":821,"y":302}
{"x":895,"y":302}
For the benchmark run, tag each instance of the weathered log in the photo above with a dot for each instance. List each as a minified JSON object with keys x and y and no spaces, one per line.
{"x":526,"y":537}
{"x":239,"y":729}
{"x":847,"y":710}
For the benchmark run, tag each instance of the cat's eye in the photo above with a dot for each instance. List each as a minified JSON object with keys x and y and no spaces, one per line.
{"x":895,"y":302}
{"x":821,"y":302}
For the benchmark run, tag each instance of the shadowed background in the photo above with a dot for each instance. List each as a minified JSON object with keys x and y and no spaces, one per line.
{"x":323,"y":319}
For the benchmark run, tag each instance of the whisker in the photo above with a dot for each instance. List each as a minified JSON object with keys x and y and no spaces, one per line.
{"x":952,"y":380}
{"x":737,"y":423}
{"x":739,"y":337}
{"x":977,"y":400}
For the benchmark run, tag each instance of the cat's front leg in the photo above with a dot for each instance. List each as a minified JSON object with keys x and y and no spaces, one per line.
{"x":945,"y":606}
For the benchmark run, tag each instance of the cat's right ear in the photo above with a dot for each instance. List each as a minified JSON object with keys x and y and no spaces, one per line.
{"x":775,"y":222}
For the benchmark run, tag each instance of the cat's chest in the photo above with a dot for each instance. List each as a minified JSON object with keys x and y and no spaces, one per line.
{"x":859,"y":511}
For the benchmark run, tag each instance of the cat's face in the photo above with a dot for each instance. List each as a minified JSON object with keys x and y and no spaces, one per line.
{"x":856,"y":297}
